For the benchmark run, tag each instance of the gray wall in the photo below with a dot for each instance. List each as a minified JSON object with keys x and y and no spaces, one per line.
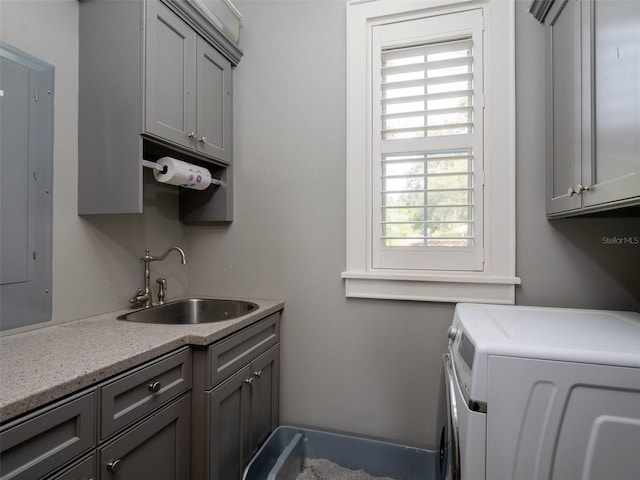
{"x":369,"y":367}
{"x":366,"y":366}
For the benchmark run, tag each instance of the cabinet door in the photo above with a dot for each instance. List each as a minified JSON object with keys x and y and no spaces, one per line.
{"x":229,"y":414}
{"x":83,"y":470}
{"x":134,"y":394}
{"x":47,"y":439}
{"x":214,"y":115}
{"x":614,"y":171}
{"x":564,"y":107}
{"x":170,"y":68}
{"x":231,"y":354}
{"x":264,"y":397}
{"x":157,"y":448}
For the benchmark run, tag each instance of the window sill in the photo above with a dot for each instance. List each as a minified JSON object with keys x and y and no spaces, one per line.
{"x":431,"y":287}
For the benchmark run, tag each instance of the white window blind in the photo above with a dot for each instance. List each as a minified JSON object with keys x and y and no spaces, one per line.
{"x":427,"y":90}
{"x":427,"y":199}
{"x":427,"y":143}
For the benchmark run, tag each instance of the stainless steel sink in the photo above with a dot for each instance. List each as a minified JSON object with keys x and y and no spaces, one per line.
{"x":191,"y":311}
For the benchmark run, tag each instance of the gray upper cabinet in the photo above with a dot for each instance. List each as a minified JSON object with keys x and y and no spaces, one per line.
{"x":159,"y":84}
{"x":214,"y":92}
{"x":188,"y":87}
{"x":170,"y":79}
{"x":564,"y":111}
{"x":593,"y":140}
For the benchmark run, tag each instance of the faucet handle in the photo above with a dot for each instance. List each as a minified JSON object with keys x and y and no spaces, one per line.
{"x":162,"y":287}
{"x":139,"y":298}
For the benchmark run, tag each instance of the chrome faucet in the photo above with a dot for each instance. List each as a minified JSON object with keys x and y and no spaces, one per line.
{"x":144,"y":297}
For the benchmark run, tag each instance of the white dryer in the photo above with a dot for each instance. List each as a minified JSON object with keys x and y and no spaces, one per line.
{"x":543,"y":393}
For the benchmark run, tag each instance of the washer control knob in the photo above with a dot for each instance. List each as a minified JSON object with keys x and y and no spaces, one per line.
{"x":452,"y":332}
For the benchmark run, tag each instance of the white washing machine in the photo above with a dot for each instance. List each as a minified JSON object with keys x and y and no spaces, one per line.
{"x":543,"y":393}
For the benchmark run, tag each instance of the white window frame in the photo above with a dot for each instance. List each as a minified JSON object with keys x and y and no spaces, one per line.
{"x":495,"y":282}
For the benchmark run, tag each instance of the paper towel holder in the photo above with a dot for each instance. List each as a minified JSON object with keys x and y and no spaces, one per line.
{"x":163,"y":169}
{"x":154,"y":166}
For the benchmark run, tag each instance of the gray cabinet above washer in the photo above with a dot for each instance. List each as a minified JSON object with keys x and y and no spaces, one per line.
{"x":593,"y":106}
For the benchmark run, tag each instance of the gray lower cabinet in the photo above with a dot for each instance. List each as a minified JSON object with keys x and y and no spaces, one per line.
{"x":593,"y":83}
{"x":265,"y":406}
{"x":133,"y":426}
{"x":129,"y":397}
{"x":243,"y":411}
{"x":238,"y":400}
{"x":84,"y":469}
{"x":193,"y":414}
{"x":157,"y":448}
{"x":228,"y":407}
{"x":47,"y":439}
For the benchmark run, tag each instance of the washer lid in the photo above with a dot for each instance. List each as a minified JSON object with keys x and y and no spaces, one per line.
{"x":555,"y":334}
{"x":579,"y":335}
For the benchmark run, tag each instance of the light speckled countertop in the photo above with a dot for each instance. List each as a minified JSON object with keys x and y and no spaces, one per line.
{"x":46,"y":364}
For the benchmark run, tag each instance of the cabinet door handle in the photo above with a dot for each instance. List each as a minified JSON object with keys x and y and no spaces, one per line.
{"x":258,"y":373}
{"x":248,"y":381}
{"x":202,"y":139}
{"x":114,"y":466}
{"x":578,"y":190}
{"x":191,"y":134}
{"x":155,"y":387}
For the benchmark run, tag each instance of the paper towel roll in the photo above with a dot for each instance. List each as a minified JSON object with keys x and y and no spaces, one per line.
{"x":182,"y":174}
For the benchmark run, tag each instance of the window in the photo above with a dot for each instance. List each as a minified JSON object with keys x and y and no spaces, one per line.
{"x":427,"y":147}
{"x":430,"y":172}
